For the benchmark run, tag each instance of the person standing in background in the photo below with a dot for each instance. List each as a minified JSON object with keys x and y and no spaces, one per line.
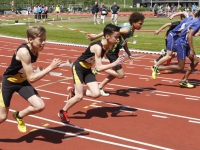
{"x":95,"y":11}
{"x":104,"y":12}
{"x":114,"y":10}
{"x":57,"y":11}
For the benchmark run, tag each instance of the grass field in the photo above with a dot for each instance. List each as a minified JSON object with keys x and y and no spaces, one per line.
{"x":145,"y":40}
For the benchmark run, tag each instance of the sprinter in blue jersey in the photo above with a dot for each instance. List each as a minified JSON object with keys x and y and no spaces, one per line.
{"x":171,"y":38}
{"x":184,"y":47}
{"x":126,"y":31}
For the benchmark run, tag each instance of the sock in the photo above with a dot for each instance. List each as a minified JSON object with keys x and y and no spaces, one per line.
{"x":17,"y":115}
{"x":73,"y":91}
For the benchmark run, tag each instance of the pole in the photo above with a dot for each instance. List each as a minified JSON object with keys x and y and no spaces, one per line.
{"x":124,"y":3}
{"x":178,"y":4}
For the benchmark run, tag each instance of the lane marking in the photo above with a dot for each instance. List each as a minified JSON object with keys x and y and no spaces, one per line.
{"x":192,"y":98}
{"x":161,"y":95}
{"x":198,"y":122}
{"x":141,"y":109}
{"x":158,"y":116}
{"x":98,"y":132}
{"x":79,"y":136}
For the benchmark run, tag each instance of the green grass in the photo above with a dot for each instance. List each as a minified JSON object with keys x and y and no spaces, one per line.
{"x":145,"y":40}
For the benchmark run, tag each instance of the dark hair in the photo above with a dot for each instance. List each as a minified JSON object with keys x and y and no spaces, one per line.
{"x":197,"y":14}
{"x":182,"y":16}
{"x":135,"y":17}
{"x":110,"y":29}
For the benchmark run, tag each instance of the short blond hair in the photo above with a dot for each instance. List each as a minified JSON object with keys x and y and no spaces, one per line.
{"x":35,"y":31}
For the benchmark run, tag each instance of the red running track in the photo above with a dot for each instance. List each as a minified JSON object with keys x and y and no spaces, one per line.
{"x":140,"y":113}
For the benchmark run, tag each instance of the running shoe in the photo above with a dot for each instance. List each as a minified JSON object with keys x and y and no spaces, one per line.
{"x":103,"y":93}
{"x":155,"y":72}
{"x":63,"y":116}
{"x":21,"y":125}
{"x":186,"y":84}
{"x":163,"y":53}
{"x":70,"y":92}
{"x":95,"y":72}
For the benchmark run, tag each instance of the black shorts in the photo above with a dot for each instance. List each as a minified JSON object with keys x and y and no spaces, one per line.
{"x":25,"y":89}
{"x":112,"y":56}
{"x":81,"y":74}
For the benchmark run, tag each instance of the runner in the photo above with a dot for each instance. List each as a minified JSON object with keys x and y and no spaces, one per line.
{"x":184,"y":47}
{"x":82,"y":72}
{"x":17,"y":76}
{"x":136,"y":20}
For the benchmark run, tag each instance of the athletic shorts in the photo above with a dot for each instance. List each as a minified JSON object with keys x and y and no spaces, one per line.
{"x":81,"y":74}
{"x":171,"y":42}
{"x":25,"y":89}
{"x":113,"y":57}
{"x":182,"y":48}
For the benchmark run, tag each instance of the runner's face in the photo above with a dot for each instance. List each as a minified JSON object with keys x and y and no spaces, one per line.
{"x":114,"y":38}
{"x":39,"y":42}
{"x":137,"y":25}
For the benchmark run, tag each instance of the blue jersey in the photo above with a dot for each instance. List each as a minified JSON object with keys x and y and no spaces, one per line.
{"x":194,"y":25}
{"x":180,"y":27}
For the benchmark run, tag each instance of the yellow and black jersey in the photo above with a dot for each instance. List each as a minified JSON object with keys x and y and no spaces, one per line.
{"x":87,"y":59}
{"x":13,"y":73}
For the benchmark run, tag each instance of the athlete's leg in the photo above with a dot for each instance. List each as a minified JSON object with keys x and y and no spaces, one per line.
{"x":93,"y":90}
{"x":3,"y":113}
{"x":76,"y":98}
{"x":193,"y":64}
{"x":117,"y":74}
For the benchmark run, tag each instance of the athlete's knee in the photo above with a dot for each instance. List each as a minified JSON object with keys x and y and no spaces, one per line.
{"x":3,"y":118}
{"x":40,"y":107}
{"x":78,"y":98}
{"x":95,"y":94}
{"x":120,"y":75}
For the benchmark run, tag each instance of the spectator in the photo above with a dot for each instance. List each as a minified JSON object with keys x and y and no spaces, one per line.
{"x":114,"y":10}
{"x":57,"y":11}
{"x":46,"y":9}
{"x":104,"y":12}
{"x":95,"y":11}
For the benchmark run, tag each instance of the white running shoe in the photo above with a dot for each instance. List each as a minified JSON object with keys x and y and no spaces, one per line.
{"x":103,"y":93}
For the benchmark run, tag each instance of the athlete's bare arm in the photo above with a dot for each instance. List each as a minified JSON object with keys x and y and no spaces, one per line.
{"x":99,"y":66}
{"x":25,"y":58}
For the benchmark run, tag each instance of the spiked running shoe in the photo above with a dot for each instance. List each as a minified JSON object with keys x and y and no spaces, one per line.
{"x":103,"y":93}
{"x":21,"y":125}
{"x":70,"y":92}
{"x":186,"y":84}
{"x":63,"y":116}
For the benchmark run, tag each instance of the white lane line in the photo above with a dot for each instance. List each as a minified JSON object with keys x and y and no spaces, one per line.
{"x":109,"y":88}
{"x":45,"y":97}
{"x":189,"y":98}
{"x":146,"y":110}
{"x":81,"y":136}
{"x":158,"y":116}
{"x":161,"y":95}
{"x":98,"y":132}
{"x":95,"y":106}
{"x":198,"y":122}
{"x":167,"y":81}
{"x":65,"y":82}
{"x":156,"y":91}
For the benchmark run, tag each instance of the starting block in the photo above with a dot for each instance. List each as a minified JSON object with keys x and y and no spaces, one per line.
{"x":67,"y":63}
{"x":40,"y":68}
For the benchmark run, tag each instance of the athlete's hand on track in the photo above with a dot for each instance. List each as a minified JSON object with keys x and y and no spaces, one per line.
{"x":130,"y":60}
{"x":56,"y":63}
